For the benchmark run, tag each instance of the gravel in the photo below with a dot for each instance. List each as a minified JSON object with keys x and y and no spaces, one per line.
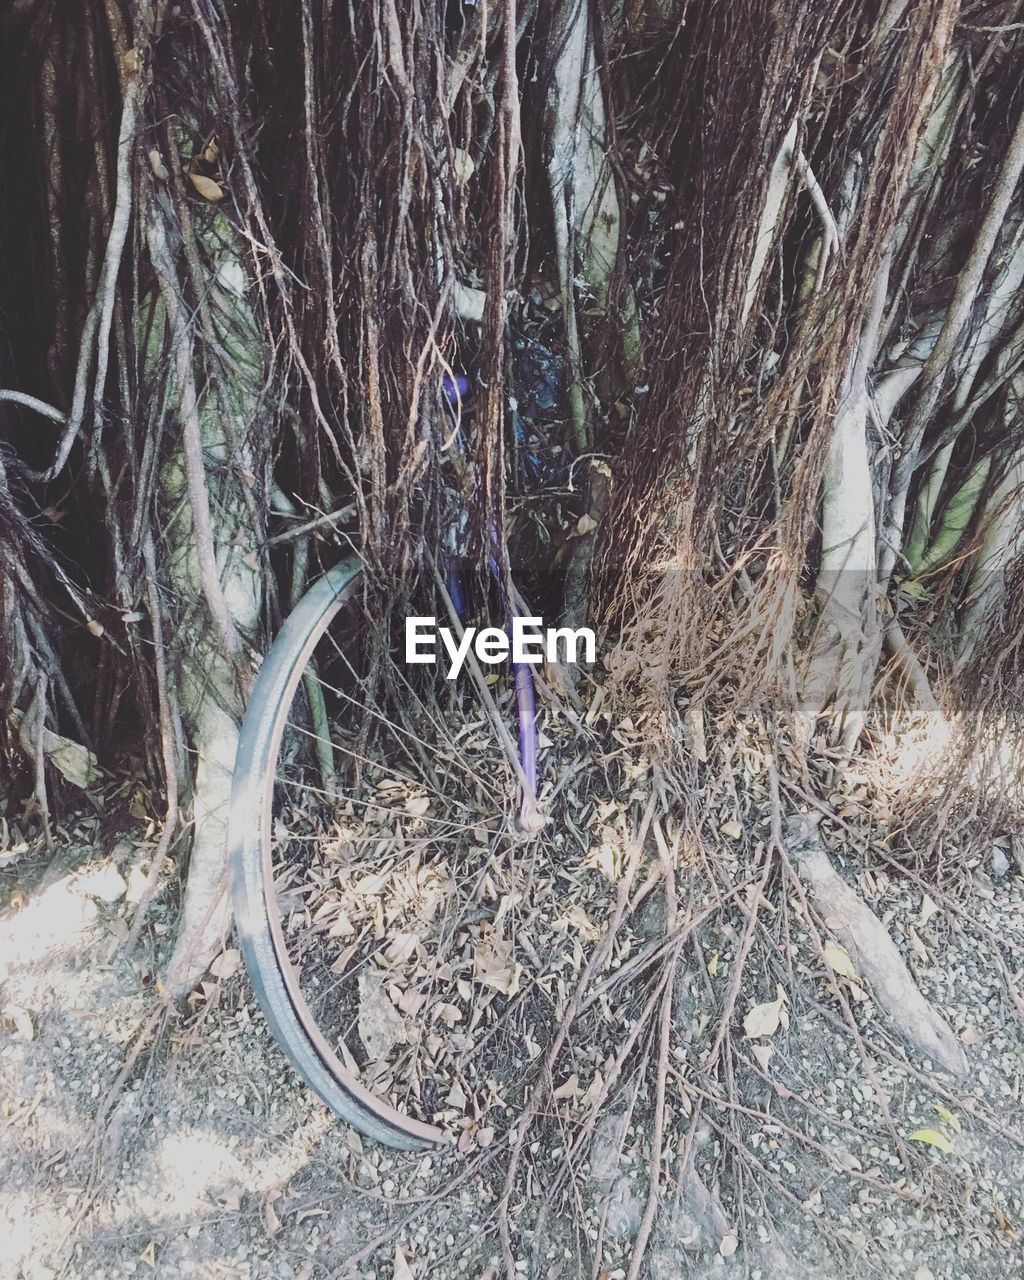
{"x":214,"y":1162}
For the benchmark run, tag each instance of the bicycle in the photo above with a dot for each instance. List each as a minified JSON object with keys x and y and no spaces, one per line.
{"x":302,"y":777}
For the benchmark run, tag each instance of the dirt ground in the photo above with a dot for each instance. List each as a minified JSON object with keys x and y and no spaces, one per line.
{"x":194,"y":1151}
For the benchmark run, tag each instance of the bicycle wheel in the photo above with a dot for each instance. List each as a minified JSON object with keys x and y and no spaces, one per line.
{"x":358,"y":842}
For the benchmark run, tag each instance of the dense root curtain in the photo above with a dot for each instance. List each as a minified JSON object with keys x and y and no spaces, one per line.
{"x":774,"y":253}
{"x":785,"y":252}
{"x":260,"y":324}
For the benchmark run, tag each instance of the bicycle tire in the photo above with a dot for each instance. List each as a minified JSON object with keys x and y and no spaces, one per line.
{"x":257,"y":918}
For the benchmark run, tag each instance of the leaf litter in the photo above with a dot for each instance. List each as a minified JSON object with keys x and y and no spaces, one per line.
{"x":467,"y":960}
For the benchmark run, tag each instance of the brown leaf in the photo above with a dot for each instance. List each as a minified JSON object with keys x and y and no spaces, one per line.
{"x":271,"y":1221}
{"x":380,"y":1024}
{"x":448,"y":1013}
{"x":494,"y":966}
{"x":18,"y":1022}
{"x":342,"y":962}
{"x":206,"y":187}
{"x":1005,"y":1225}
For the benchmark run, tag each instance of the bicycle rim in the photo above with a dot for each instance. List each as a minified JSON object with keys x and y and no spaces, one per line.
{"x":359,"y":841}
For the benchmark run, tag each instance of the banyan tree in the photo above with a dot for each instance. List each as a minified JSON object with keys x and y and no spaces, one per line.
{"x":737,"y":288}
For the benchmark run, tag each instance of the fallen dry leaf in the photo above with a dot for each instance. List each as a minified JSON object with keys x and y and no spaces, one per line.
{"x":402,"y":1269}
{"x":401,"y":948}
{"x":1004,"y":1223}
{"x":838,"y":960}
{"x":341,"y":964}
{"x":271,"y":1221}
{"x":417,"y":806}
{"x":920,"y":950}
{"x":763,"y":1054}
{"x":206,"y":187}
{"x":380,"y":1024}
{"x":846,"y":1160}
{"x":568,"y":1089}
{"x":494,"y":967}
{"x":18,"y":1022}
{"x":227,"y":964}
{"x":765,"y":1019}
{"x":928,"y":909}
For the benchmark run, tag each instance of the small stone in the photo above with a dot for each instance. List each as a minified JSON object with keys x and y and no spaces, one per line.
{"x":998,"y":863}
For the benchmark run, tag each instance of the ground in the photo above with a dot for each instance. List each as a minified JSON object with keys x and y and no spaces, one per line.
{"x":182,"y":1145}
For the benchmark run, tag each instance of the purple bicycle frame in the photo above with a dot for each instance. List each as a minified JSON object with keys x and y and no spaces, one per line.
{"x":455,"y":391}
